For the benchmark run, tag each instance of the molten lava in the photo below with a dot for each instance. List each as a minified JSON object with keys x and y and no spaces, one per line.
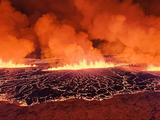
{"x":85,"y":65}
{"x":11,"y":64}
{"x":153,"y":68}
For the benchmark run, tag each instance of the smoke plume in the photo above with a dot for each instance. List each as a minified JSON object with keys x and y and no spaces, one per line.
{"x":129,"y":30}
{"x":15,"y":42}
{"x":61,"y":41}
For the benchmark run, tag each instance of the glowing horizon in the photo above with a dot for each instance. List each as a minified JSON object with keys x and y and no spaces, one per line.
{"x":84,"y":64}
{"x":153,"y":68}
{"x":11,"y":64}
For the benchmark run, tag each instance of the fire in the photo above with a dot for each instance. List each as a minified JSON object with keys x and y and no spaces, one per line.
{"x":85,"y":65}
{"x":153,"y":68}
{"x":11,"y":64}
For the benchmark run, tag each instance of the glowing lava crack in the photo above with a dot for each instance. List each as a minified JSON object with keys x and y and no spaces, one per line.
{"x":34,"y":85}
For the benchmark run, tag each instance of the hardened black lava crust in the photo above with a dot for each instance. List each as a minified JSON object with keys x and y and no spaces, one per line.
{"x":34,"y":85}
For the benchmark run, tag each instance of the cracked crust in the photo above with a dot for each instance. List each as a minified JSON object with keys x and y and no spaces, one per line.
{"x":37,"y":86}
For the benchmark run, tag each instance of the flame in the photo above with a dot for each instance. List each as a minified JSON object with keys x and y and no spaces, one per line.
{"x":85,"y":65}
{"x":11,"y":64}
{"x":153,"y":68}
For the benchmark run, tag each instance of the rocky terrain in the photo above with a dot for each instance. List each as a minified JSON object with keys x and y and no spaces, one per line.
{"x":141,"y":106}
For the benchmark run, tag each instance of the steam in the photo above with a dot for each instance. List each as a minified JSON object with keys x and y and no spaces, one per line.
{"x":14,"y":44}
{"x":66,"y":30}
{"x":129,"y":33}
{"x":61,"y":41}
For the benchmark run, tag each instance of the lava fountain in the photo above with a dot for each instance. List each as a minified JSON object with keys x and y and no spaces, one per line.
{"x":84,"y":64}
{"x":153,"y":68}
{"x":11,"y":64}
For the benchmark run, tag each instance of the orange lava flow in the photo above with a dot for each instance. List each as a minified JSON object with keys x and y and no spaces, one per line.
{"x":11,"y":64}
{"x":85,"y":65}
{"x":153,"y":68}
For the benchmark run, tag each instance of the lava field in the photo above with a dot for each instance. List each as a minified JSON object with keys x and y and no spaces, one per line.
{"x":34,"y":85}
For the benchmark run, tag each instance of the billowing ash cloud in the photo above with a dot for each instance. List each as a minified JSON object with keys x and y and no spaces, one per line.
{"x":127,"y":29}
{"x":15,"y":36}
{"x":128,"y":32}
{"x":61,"y":41}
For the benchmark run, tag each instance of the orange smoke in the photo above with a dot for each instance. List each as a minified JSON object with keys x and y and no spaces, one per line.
{"x":66,"y":30}
{"x":129,"y":33}
{"x":61,"y":41}
{"x":13,"y":46}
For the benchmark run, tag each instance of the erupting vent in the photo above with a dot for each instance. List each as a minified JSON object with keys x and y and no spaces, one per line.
{"x":37,"y":86}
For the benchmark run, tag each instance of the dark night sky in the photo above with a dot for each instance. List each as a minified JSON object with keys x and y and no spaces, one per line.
{"x":32,"y":6}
